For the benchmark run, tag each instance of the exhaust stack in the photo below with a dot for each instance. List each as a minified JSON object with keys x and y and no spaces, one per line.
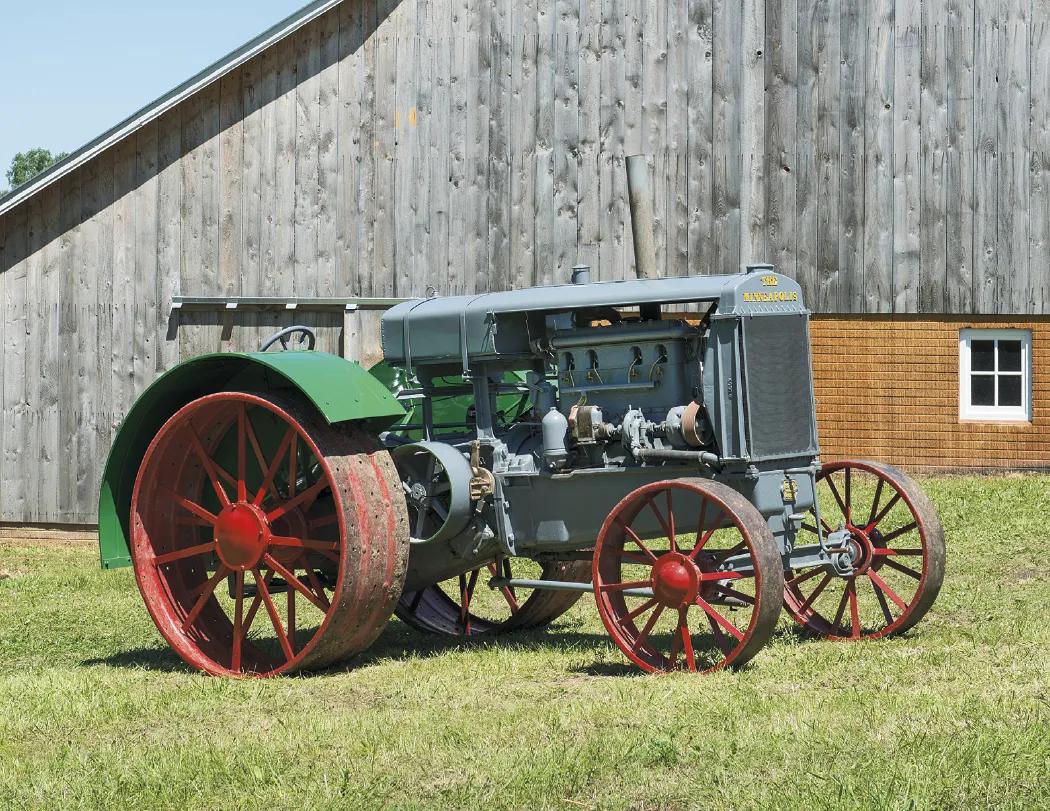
{"x":642,"y":221}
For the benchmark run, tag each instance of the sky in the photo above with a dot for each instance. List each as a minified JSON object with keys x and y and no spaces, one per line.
{"x":72,"y":70}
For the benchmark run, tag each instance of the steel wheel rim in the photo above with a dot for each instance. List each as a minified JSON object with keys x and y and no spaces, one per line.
{"x":882,"y":557}
{"x":692,"y":587}
{"x":172,"y":570}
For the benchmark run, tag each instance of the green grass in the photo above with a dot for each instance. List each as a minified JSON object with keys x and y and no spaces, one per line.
{"x":95,"y":712}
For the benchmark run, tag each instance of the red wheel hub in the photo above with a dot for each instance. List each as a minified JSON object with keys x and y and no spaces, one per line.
{"x":860,"y":547}
{"x":676,"y":580}
{"x":242,"y":536}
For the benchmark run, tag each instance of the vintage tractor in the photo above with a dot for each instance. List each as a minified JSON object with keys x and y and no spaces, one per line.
{"x":651,"y":441}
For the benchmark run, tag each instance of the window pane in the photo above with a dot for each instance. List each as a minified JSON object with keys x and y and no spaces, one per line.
{"x":1009,"y":356}
{"x":982,"y":356}
{"x":1010,"y":390}
{"x":982,"y":390}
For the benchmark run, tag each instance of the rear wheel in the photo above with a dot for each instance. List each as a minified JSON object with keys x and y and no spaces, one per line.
{"x":264,"y":540}
{"x":466,"y":606}
{"x":896,"y":546}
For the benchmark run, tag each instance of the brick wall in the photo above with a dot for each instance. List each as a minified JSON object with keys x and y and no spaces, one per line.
{"x":888,"y":388}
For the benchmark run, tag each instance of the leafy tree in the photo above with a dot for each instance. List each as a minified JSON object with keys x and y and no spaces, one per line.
{"x":27,"y":165}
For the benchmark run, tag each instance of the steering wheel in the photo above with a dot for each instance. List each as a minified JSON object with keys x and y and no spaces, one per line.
{"x":306,"y":335}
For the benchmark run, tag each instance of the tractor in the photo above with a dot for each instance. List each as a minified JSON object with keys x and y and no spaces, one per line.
{"x":650,"y":441}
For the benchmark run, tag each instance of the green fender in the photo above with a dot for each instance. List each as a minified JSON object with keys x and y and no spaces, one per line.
{"x":340,"y":389}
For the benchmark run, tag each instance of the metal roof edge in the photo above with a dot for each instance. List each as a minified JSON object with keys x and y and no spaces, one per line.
{"x":169,"y":100}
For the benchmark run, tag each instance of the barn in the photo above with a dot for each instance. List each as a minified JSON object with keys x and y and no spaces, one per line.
{"x":892,"y":156}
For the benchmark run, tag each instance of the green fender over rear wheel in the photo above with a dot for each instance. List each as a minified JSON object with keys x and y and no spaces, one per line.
{"x":340,"y":390}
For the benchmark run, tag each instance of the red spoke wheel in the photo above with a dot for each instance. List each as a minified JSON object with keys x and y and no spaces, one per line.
{"x":264,"y":540}
{"x":466,"y":606}
{"x":895,"y":549}
{"x":687,"y":576}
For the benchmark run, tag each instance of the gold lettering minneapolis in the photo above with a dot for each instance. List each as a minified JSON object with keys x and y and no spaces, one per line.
{"x":763,"y":296}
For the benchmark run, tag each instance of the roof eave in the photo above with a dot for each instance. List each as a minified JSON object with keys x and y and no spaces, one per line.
{"x":168,"y":101}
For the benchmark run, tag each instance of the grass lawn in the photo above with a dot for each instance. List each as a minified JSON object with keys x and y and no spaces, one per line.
{"x":96,"y":712}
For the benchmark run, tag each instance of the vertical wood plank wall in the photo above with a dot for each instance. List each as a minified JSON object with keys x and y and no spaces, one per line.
{"x":893,"y":155}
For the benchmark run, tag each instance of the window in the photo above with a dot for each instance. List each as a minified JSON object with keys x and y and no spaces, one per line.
{"x":995,"y":375}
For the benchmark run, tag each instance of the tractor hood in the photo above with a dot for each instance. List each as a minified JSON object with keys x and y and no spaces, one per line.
{"x":490,"y":325}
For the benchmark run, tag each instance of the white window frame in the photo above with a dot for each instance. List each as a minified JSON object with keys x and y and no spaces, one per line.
{"x":975,"y":413}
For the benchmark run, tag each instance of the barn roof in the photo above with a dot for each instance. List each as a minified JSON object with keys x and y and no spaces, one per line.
{"x":152,"y":111}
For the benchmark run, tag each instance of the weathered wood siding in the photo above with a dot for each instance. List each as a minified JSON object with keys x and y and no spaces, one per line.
{"x":894,"y":156}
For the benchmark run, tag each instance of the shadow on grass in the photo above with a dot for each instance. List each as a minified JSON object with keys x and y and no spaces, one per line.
{"x":400,"y":642}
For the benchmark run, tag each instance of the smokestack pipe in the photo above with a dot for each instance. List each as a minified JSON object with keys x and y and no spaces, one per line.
{"x":642,"y":221}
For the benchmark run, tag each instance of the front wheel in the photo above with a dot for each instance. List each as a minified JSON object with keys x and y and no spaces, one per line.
{"x":896,"y":545}
{"x":687,"y":576}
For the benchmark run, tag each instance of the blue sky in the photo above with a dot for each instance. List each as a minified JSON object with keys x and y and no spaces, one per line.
{"x":74,"y":69}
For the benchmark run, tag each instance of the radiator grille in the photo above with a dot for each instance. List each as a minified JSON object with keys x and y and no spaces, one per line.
{"x":779,"y":387}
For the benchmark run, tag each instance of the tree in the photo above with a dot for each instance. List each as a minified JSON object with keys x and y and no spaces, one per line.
{"x":27,"y":165}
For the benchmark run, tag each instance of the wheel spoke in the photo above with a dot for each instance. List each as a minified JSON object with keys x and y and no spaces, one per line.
{"x":885,"y":552}
{"x":238,"y":623}
{"x":648,"y":627}
{"x":849,"y":496}
{"x":884,"y":512}
{"x":631,"y":584}
{"x":900,"y":567}
{"x":291,"y":619}
{"x":842,"y":608}
{"x":901,"y":531}
{"x":875,"y":503}
{"x":271,"y":471}
{"x":726,"y":624}
{"x":323,"y":521}
{"x":838,"y":498}
{"x":188,"y":552}
{"x":305,"y":498}
{"x":253,"y":609}
{"x":670,"y":521}
{"x":687,"y":639}
{"x":708,"y":577}
{"x":508,"y":593}
{"x":637,"y":612}
{"x":802,"y":578}
{"x":638,"y":541}
{"x":884,"y":587}
{"x":676,"y":645}
{"x":253,"y":440}
{"x":209,"y":465}
{"x":318,"y":589}
{"x":194,"y":507}
{"x":854,"y":610}
{"x":702,"y":541}
{"x":634,"y":557}
{"x":242,"y":442}
{"x":662,"y":521}
{"x":304,"y":543}
{"x":882,"y":603}
{"x":207,"y":590}
{"x":275,"y":618}
{"x":721,"y":641}
{"x":293,"y":465}
{"x":812,"y":598}
{"x":292,"y":580}
{"x":439,"y":509}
